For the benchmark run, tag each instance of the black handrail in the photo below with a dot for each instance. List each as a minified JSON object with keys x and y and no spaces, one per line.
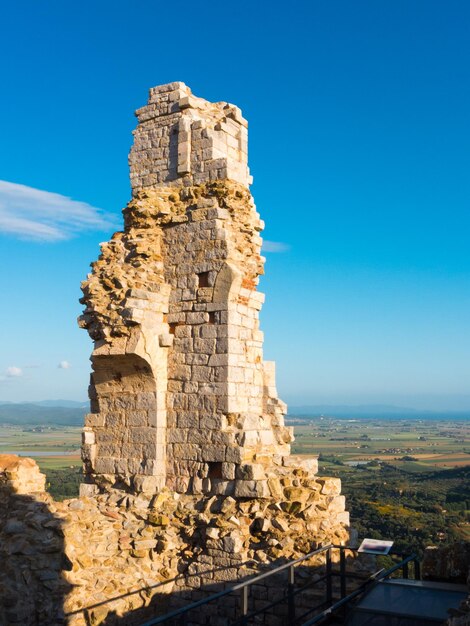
{"x":290,"y":592}
{"x":373,"y":580}
{"x":239,"y":586}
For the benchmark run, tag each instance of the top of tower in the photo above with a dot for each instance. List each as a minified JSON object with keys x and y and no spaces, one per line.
{"x":185,"y":140}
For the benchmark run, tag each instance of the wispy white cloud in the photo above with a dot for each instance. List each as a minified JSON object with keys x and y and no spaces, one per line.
{"x":14,"y":372}
{"x":64,"y":365}
{"x":275,"y":246}
{"x":30,"y":213}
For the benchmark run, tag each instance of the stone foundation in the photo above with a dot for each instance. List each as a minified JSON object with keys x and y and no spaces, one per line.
{"x":104,"y":559}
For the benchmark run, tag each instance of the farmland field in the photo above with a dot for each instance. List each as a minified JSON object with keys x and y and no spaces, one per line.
{"x":406,"y":480}
{"x":52,"y":447}
{"x":409,"y":444}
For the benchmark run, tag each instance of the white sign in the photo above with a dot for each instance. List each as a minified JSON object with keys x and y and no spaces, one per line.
{"x":375,"y":546}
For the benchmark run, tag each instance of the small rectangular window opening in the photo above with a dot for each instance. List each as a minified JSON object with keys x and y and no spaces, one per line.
{"x":203,"y":279}
{"x":215,"y":470}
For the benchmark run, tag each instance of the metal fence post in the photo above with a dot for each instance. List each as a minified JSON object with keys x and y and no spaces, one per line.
{"x":405,"y":570}
{"x":290,"y":595}
{"x":244,"y":604}
{"x":329,"y":592}
{"x":417,"y":569}
{"x":342,"y":571}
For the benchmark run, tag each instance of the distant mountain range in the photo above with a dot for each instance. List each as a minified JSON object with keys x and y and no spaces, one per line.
{"x":44,"y":412}
{"x":71,"y":413}
{"x":385,"y":411}
{"x":70,"y":404}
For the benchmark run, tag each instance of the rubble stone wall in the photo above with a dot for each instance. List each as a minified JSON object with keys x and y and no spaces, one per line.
{"x":118,"y":557}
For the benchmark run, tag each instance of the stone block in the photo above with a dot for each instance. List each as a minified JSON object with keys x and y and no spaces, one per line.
{"x":250,"y":471}
{"x":148,"y":484}
{"x":165,"y":340}
{"x":234,"y":454}
{"x":196,"y":485}
{"x":222,"y":438}
{"x":337,"y":504}
{"x":212,"y":533}
{"x":297,"y":494}
{"x":232,"y":544}
{"x":94,"y":420}
{"x":142,"y":435}
{"x":330,"y":486}
{"x":213,"y":453}
{"x":144,"y":544}
{"x":88,"y":436}
{"x":104,"y":465}
{"x":342,"y":518}
{"x":137,"y":418}
{"x":190,"y":452}
{"x":228,"y":471}
{"x":252,"y":489}
{"x":88,"y":490}
{"x":275,"y":488}
{"x":222,"y":487}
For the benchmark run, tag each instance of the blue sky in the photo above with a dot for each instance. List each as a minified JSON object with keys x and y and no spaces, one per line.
{"x":358,"y":143}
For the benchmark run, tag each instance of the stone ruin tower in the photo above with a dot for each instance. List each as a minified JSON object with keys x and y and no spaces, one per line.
{"x":189,"y":482}
{"x":180,"y":394}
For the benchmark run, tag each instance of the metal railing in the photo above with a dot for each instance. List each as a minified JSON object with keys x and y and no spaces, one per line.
{"x":368,"y":584}
{"x":327,"y":606}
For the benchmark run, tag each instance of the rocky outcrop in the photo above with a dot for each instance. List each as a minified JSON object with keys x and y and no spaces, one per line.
{"x":32,"y":551}
{"x":450,"y":564}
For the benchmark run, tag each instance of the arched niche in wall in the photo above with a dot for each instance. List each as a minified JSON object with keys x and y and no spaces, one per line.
{"x":124,"y":397}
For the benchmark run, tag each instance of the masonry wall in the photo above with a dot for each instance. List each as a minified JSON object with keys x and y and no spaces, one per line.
{"x":119,"y":558}
{"x":185,"y":140}
{"x":181,"y":394}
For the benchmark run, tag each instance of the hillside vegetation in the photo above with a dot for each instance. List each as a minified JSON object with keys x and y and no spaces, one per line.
{"x":404,"y":480}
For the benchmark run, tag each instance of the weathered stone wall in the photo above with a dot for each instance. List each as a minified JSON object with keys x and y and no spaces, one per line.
{"x":184,"y":140}
{"x":180,"y":393}
{"x":179,"y":387}
{"x":451,"y":564}
{"x":32,"y":557}
{"x":104,"y":559}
